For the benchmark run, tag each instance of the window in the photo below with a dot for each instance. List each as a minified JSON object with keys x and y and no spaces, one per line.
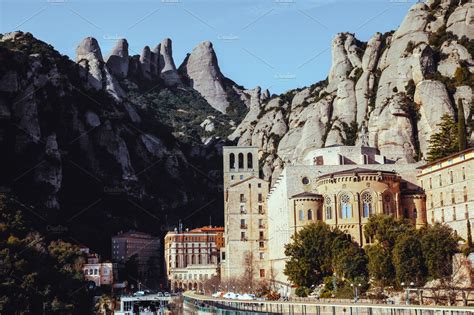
{"x":262,"y":256}
{"x":310,"y":214}
{"x":346,"y":207}
{"x":387,"y":203}
{"x":260,"y":198}
{"x":415,"y":213}
{"x":260,"y":209}
{"x":453,"y":197}
{"x":232,"y":160}
{"x":305,"y":180}
{"x":242,"y":209}
{"x":441,"y":200}
{"x":242,"y":198}
{"x":464,"y":193}
{"x":454,"y":213}
{"x":431,"y":201}
{"x":466,"y":212}
{"x":249,"y":160}
{"x":366,"y":204}
{"x":431,"y":184}
{"x":242,"y":236}
{"x":260,"y":235}
{"x":440,"y":180}
{"x":241,"y":160}
{"x":301,"y":215}
{"x":327,"y":201}
{"x":463,"y":174}
{"x":262,"y":273}
{"x":261,"y":244}
{"x":451,"y":179}
{"x":232,"y":177}
{"x":241,"y":177}
{"x":242,"y":224}
{"x":260,"y":223}
{"x":259,"y":185}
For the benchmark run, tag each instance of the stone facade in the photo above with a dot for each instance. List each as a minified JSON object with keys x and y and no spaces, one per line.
{"x":342,"y":186}
{"x":448,"y":184}
{"x":245,"y":215}
{"x":192,"y":257}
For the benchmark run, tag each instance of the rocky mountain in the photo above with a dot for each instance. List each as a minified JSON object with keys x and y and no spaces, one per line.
{"x":122,"y":139}
{"x":390,"y":92}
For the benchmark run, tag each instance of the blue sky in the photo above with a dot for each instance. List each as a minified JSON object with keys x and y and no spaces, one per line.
{"x":277,"y":44}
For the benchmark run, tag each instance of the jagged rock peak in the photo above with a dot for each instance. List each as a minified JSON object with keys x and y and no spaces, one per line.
{"x":118,"y":61}
{"x":145,"y":61}
{"x":203,"y":71}
{"x":167,"y":68}
{"x":87,"y":48}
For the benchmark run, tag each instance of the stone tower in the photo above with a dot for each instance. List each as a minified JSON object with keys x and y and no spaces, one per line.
{"x":245,"y":215}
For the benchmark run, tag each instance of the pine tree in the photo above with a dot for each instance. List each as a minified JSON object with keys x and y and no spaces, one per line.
{"x":462,"y":131}
{"x":445,"y":141}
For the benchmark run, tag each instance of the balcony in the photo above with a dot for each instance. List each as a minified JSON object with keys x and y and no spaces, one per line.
{"x":261,"y":226}
{"x":243,"y":226}
{"x":244,"y":239}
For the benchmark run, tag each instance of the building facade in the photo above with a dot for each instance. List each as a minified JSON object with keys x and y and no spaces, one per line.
{"x":192,"y":257}
{"x":341,"y":186}
{"x":245,"y":215}
{"x":449,"y":188}
{"x":101,"y":273}
{"x":146,"y":248}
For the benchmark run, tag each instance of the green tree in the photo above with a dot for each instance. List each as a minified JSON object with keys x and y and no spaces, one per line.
{"x":407,"y":259}
{"x":444,"y":142}
{"x":36,"y":275}
{"x":462,"y":130}
{"x":439,"y":243}
{"x":380,"y":265}
{"x":349,"y":259}
{"x":309,"y":255}
{"x":317,"y":252}
{"x":385,"y":229}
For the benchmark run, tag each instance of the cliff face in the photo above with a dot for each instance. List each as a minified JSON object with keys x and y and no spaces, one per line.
{"x":89,"y":142}
{"x":389,"y":93}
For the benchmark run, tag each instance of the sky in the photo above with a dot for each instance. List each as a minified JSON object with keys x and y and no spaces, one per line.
{"x":276,"y":44}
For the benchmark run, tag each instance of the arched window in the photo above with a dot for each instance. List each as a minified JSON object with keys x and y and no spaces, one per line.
{"x":310,"y":214}
{"x":301,"y":215}
{"x":366,"y":204}
{"x":415,"y":213}
{"x":232,"y":160}
{"x":241,"y":160}
{"x":193,"y":260}
{"x":199,"y":259}
{"x":249,"y":160}
{"x":327,"y":207}
{"x":387,"y":203}
{"x":346,"y":207}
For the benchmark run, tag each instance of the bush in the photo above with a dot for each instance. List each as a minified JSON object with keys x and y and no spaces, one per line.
{"x":302,"y":291}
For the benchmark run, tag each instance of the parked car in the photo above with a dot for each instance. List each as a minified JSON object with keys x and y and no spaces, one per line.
{"x":139,"y":293}
{"x":217,"y":294}
{"x":167,"y":294}
{"x":246,"y":297}
{"x":160,"y":294}
{"x":230,"y":295}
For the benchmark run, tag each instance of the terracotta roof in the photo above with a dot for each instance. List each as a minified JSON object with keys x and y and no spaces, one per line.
{"x":247,"y":179}
{"x":307,"y":194}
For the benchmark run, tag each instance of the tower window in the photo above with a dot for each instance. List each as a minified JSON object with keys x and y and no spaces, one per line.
{"x":249,"y":160}
{"x":366,"y":204}
{"x":241,"y":160}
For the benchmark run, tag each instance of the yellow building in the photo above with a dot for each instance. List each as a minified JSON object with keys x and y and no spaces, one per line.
{"x":449,"y":188}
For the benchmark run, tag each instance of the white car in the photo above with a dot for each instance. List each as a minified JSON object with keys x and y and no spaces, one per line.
{"x":217,"y":294}
{"x":230,"y":296}
{"x":246,"y":297}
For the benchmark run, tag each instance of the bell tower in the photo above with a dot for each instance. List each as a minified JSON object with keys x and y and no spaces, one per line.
{"x":239,"y":163}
